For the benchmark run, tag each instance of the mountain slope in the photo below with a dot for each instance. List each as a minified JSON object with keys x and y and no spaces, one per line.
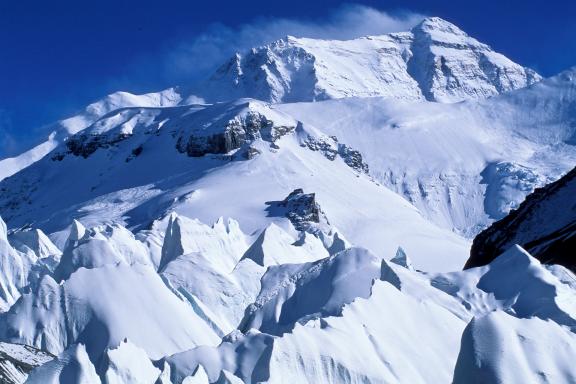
{"x":544,"y":224}
{"x":61,"y":130}
{"x":410,"y":148}
{"x":462,"y":165}
{"x":137,"y":164}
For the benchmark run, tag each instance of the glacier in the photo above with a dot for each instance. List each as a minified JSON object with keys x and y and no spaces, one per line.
{"x":302,"y":215}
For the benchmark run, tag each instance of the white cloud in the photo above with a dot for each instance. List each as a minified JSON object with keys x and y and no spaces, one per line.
{"x":194,"y":59}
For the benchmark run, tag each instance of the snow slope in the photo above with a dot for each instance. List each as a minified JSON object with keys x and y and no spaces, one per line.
{"x":135,"y":177}
{"x":462,"y":165}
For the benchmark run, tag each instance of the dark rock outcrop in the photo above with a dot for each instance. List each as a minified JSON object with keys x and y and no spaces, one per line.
{"x":331,"y":148}
{"x":301,"y":209}
{"x":544,"y":224}
{"x":239,"y":131}
{"x":85,"y":145}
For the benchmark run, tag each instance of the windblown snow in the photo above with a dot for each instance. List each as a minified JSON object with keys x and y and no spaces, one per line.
{"x":303,"y":215}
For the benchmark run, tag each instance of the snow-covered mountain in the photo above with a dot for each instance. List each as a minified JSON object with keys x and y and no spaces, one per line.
{"x":306,"y":218}
{"x":435,"y":61}
{"x":58,"y":132}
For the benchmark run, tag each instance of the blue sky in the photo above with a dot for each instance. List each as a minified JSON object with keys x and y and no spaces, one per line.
{"x":57,"y":56}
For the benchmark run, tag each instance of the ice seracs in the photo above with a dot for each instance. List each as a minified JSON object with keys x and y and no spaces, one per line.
{"x":36,"y":241}
{"x":18,"y":270}
{"x":73,"y":365}
{"x":70,"y":313}
{"x":300,"y":293}
{"x":130,"y":364}
{"x":3,"y":230}
{"x":501,"y":348}
{"x":282,"y":314}
{"x":452,"y":317}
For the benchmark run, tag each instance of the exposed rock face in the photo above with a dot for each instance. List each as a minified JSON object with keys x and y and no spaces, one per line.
{"x":17,"y":361}
{"x":435,"y":61}
{"x":353,"y":158}
{"x":331,"y":148}
{"x":85,"y":144}
{"x":544,"y":224}
{"x":109,"y":131}
{"x":240,"y":124}
{"x":237,"y":132}
{"x":302,"y":209}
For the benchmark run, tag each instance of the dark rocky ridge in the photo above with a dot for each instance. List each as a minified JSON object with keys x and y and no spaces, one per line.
{"x":301,"y":209}
{"x":544,"y":224}
{"x":330,"y":148}
{"x":86,"y":144}
{"x":237,"y":132}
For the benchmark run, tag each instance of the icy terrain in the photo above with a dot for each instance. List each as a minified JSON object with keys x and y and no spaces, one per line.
{"x":181,"y":304}
{"x":303,"y":215}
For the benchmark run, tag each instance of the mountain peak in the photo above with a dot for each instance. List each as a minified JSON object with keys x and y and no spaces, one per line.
{"x":77,"y":231}
{"x":290,"y":38}
{"x":438,"y":24}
